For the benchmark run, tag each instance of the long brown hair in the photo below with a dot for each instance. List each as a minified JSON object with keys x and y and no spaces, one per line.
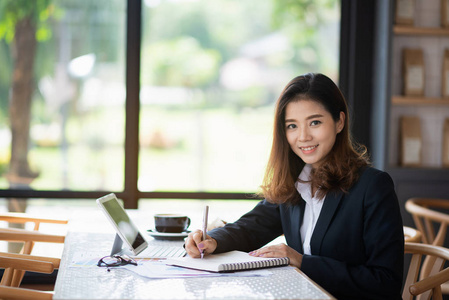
{"x":339,"y":171}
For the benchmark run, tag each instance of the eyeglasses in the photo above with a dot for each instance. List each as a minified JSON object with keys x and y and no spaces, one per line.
{"x":115,"y":261}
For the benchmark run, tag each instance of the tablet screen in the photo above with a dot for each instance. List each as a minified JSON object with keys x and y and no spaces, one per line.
{"x":123,"y":224}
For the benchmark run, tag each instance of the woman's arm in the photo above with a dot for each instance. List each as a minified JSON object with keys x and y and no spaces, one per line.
{"x":253,"y":230}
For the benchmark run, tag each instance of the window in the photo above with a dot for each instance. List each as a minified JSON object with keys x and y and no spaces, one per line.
{"x":210,"y":72}
{"x":76,"y":105}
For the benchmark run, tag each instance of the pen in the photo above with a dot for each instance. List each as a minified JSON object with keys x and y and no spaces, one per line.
{"x":205,"y":215}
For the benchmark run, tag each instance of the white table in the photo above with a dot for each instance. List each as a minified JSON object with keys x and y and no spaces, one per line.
{"x":98,"y":283}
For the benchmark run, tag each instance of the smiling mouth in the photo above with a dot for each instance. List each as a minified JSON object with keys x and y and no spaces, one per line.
{"x":308,"y":148}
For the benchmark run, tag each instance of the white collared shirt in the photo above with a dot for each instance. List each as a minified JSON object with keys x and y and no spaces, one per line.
{"x":312,"y":208}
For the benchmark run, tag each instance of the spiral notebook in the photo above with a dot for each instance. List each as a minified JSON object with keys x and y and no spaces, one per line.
{"x":227,"y":262}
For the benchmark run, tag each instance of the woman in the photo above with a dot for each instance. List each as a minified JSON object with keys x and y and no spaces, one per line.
{"x":340,"y":217}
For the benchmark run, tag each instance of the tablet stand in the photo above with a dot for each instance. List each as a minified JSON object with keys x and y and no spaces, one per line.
{"x":117,"y":247}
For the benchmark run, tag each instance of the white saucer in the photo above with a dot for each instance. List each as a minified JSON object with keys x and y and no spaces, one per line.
{"x":168,"y":235}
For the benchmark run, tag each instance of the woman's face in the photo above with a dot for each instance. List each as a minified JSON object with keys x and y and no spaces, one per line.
{"x":311,"y":131}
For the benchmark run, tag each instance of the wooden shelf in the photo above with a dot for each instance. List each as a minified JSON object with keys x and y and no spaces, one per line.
{"x":410,"y":30}
{"x":404,"y":100}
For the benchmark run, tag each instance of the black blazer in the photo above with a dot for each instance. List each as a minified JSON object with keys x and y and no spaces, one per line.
{"x":357,"y":245}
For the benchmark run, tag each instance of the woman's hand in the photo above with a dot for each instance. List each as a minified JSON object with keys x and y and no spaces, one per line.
{"x":280,"y":250}
{"x":195,"y":243}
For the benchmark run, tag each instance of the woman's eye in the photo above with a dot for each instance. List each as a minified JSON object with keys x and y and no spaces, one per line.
{"x":290,"y":126}
{"x":314,"y":123}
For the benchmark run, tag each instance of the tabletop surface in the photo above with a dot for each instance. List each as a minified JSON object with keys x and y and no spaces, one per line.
{"x":98,"y":283}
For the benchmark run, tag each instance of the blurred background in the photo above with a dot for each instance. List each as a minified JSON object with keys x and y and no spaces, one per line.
{"x":210,"y":73}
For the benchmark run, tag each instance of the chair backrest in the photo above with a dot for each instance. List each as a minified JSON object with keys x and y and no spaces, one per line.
{"x":12,"y":293}
{"x":411,"y":235}
{"x":22,"y":218}
{"x":13,"y":262}
{"x":431,"y":222}
{"x":27,"y":237}
{"x":430,"y":286}
{"x":428,"y":220}
{"x":12,"y":274}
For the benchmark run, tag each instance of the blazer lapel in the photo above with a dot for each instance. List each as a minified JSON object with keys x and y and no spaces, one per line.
{"x":330,"y":206}
{"x":302,"y":206}
{"x":292,"y":221}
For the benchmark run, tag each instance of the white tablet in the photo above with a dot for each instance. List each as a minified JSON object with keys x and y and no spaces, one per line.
{"x":125,"y":228}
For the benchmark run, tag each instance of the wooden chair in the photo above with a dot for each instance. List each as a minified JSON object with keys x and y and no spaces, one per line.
{"x":22,"y":218}
{"x":432,"y":223}
{"x":27,"y":237}
{"x":13,"y":262}
{"x":430,"y":286}
{"x":411,"y":235}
